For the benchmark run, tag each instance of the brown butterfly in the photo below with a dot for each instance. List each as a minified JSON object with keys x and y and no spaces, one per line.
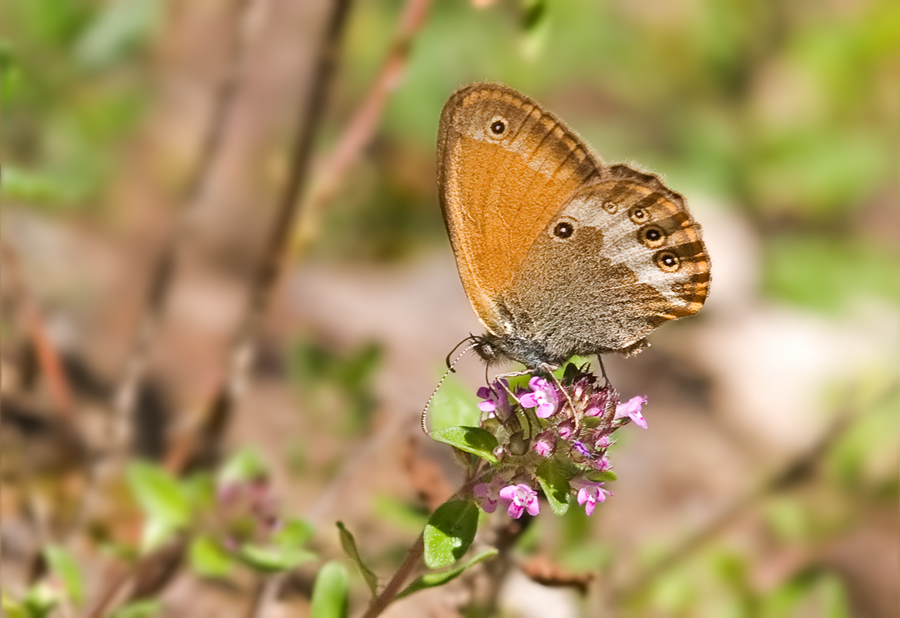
{"x":559,"y":253}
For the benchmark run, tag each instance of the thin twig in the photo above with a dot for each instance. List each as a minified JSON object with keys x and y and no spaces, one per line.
{"x":247,"y":24}
{"x":380,"y":603}
{"x":263,"y":281}
{"x":793,"y":472}
{"x":266,"y":591}
{"x":47,"y":355}
{"x":362,"y":127}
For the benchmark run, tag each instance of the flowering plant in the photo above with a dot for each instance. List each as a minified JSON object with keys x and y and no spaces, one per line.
{"x":551,"y":437}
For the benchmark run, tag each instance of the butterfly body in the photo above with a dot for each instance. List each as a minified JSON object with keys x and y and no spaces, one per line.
{"x":559,"y":253}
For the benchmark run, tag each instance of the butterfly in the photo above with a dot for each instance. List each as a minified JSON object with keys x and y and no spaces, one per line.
{"x":559,"y":253}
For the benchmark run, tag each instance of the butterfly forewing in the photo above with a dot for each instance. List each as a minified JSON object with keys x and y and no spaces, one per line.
{"x":505,"y":169}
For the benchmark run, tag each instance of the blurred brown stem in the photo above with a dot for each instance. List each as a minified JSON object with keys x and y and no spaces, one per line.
{"x":246,"y":26}
{"x":47,"y":356}
{"x":380,"y":603}
{"x":218,"y":416}
{"x":362,"y":126}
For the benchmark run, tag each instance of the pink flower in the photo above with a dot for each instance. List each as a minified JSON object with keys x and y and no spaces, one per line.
{"x":544,"y":444}
{"x":489,"y":493}
{"x":543,"y":396}
{"x":632,"y":409}
{"x":602,"y":464}
{"x":590,"y":494}
{"x":521,"y":497}
{"x":496,"y":401}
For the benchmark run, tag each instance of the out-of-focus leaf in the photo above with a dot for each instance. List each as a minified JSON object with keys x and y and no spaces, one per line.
{"x":207,"y":559}
{"x":146,"y":608}
{"x":244,"y":465}
{"x":164,"y":502}
{"x":330,"y":598}
{"x":158,"y":493}
{"x":350,"y":549}
{"x":453,"y":405}
{"x":293,"y":532}
{"x":273,"y":558}
{"x":788,"y":519}
{"x":406,"y":515}
{"x":37,"y":602}
{"x":473,"y":440}
{"x":119,"y":29}
{"x":449,"y":532}
{"x":432,"y":580}
{"x":64,"y":566}
{"x":828,"y":273}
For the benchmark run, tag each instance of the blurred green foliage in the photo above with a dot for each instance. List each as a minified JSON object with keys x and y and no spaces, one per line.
{"x":336,"y":384}
{"x":73,"y":86}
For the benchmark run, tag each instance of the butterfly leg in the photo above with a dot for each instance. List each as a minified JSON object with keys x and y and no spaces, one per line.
{"x":602,"y":369}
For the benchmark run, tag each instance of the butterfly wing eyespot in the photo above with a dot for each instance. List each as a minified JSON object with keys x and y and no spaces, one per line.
{"x":667,"y":261}
{"x":638,"y":215}
{"x":563,"y":230}
{"x":498,"y":127}
{"x":652,"y":236}
{"x":610,"y":207}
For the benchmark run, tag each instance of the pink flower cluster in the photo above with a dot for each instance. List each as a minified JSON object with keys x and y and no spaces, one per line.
{"x":568,"y":422}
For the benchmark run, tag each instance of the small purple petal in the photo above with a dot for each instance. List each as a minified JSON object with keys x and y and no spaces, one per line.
{"x":632,"y":409}
{"x":581,"y":449}
{"x":487,"y":406}
{"x":528,"y":400}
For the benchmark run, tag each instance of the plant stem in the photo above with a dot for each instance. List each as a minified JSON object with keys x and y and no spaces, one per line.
{"x":380,"y":603}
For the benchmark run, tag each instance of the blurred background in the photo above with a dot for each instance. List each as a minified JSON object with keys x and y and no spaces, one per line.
{"x":182,"y":184}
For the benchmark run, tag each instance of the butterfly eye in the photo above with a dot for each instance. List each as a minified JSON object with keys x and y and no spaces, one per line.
{"x":563,"y":229}
{"x":498,"y":127}
{"x":667,"y":261}
{"x":652,"y":236}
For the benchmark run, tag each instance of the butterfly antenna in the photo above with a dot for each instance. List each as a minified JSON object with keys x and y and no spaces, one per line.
{"x":471,"y":338}
{"x":450,"y":370}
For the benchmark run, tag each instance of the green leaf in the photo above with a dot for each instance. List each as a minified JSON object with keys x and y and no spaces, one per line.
{"x":155,"y":533}
{"x":273,"y":559}
{"x":453,"y":405}
{"x":38,"y":602}
{"x":208,"y":559}
{"x":139,"y":609}
{"x":245,"y":465}
{"x":470,"y":439}
{"x":433,"y":580}
{"x":64,"y":566}
{"x":121,"y":27}
{"x":601,"y":476}
{"x":161,"y":497}
{"x":349,"y":545}
{"x":555,"y":485}
{"x":294,"y":533}
{"x":449,"y":532}
{"x":330,"y":592}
